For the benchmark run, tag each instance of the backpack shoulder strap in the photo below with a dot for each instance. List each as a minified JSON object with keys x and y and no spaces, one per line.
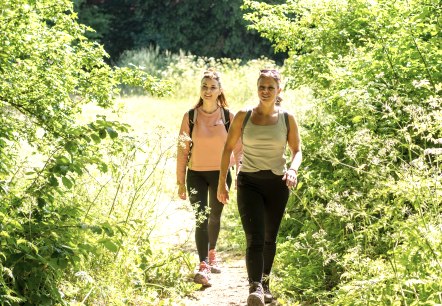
{"x":192,"y":118}
{"x":225,"y":115}
{"x":286,"y":119}
{"x":246,"y":118}
{"x":249,"y":112}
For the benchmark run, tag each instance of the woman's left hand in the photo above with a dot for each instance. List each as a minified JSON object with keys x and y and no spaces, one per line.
{"x":223,"y":193}
{"x":291,"y":178}
{"x":182,"y":191}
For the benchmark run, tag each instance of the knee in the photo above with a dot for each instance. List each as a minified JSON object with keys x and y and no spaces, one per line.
{"x":255,"y":242}
{"x":270,"y":246}
{"x":270,"y":243}
{"x":215,"y":214}
{"x":201,"y":228}
{"x":201,"y":222}
{"x":214,"y":219}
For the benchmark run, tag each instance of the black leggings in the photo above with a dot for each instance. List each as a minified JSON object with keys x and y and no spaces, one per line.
{"x":200,"y":186}
{"x":262,"y":198}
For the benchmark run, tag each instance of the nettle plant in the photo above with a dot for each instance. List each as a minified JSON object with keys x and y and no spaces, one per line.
{"x":370,"y":197}
{"x":48,"y":71}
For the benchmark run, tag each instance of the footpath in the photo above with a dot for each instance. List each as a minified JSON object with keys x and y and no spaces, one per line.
{"x":229,"y":288}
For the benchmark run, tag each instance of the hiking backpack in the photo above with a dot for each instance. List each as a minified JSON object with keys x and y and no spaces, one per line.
{"x":225,"y":116}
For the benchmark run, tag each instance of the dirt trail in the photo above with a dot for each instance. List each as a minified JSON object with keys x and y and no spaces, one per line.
{"x":229,"y":288}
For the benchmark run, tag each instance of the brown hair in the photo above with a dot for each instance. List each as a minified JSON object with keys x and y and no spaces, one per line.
{"x":274,"y":74}
{"x":212,"y":74}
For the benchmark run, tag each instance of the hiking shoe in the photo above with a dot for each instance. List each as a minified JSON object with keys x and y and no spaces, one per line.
{"x":203,"y":275}
{"x":213,"y":262}
{"x":256,"y":295}
{"x":268,"y":297}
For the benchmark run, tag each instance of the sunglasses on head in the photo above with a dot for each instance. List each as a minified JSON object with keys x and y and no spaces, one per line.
{"x":210,"y":73}
{"x":270,"y":72}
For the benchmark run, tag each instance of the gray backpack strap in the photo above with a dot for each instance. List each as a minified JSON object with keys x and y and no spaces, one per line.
{"x":287,"y":124}
{"x":225,"y":116}
{"x":192,"y":119}
{"x":286,"y":119}
{"x":246,"y":118}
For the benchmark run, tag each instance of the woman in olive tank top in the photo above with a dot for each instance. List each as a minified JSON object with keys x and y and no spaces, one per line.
{"x":263,"y":180}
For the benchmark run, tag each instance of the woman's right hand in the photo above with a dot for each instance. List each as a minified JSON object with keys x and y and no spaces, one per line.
{"x":182,"y":191}
{"x":223,"y":193}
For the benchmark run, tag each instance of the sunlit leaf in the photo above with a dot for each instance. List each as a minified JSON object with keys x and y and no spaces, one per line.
{"x":67,"y":182}
{"x":109,"y":244}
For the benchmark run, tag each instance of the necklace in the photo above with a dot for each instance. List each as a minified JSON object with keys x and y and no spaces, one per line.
{"x":204,"y":111}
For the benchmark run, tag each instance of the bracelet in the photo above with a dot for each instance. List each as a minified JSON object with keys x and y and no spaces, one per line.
{"x":296,"y":171}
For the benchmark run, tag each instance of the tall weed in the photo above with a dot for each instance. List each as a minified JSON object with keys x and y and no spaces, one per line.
{"x":126,"y":204}
{"x":185,"y":70}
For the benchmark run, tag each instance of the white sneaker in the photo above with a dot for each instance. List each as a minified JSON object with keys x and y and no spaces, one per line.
{"x":203,"y":275}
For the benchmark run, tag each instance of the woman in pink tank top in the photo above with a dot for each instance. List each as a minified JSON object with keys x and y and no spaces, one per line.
{"x":202,"y":137}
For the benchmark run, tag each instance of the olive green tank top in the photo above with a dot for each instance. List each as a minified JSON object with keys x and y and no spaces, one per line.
{"x":264,"y":146}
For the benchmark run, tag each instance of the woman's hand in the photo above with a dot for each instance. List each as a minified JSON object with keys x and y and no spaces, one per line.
{"x":291,"y":178}
{"x":223,"y":193}
{"x":182,"y":191}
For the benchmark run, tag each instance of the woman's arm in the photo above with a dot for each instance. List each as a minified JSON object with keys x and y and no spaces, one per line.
{"x":237,"y":151}
{"x":232,"y":139}
{"x":294,"y":144}
{"x":183,"y":149}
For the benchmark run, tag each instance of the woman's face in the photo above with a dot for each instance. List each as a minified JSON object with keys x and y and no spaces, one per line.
{"x":268,"y":89}
{"x":210,"y":89}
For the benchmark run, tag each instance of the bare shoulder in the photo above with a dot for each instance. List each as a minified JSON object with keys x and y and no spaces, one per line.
{"x":290,"y":114}
{"x":185,"y":116}
{"x":232,"y":112}
{"x":242,"y":112}
{"x":239,"y":118}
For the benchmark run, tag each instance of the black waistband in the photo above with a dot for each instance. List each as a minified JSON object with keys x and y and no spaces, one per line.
{"x":261,"y":174}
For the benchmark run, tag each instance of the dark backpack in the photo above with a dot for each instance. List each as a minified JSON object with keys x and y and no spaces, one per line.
{"x":225,"y":116}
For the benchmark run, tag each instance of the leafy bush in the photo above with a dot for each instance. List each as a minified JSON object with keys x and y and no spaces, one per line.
{"x":370,"y":192}
{"x":201,"y":28}
{"x":48,"y":72}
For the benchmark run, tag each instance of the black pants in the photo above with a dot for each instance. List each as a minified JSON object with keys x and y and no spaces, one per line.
{"x":201,"y":188}
{"x":262,"y":198}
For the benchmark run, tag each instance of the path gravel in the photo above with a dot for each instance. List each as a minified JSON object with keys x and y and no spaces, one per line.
{"x":229,"y":288}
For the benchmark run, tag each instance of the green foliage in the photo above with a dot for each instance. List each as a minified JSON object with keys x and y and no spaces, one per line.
{"x":96,"y":18}
{"x":48,"y":71}
{"x":120,"y":209}
{"x":78,"y":199}
{"x":206,"y":29}
{"x":369,"y":204}
{"x":183,"y":72}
